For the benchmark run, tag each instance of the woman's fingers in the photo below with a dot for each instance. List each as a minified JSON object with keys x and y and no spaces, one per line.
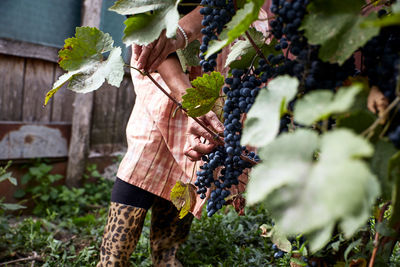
{"x":212,"y":119}
{"x":142,"y":60}
{"x":194,"y":148}
{"x":157,"y":51}
{"x":137,"y":50}
{"x":198,"y":146}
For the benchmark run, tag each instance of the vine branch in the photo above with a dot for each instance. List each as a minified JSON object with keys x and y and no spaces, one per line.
{"x":376,"y":239}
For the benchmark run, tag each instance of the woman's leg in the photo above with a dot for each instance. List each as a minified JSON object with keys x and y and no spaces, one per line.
{"x":167,"y":233}
{"x":128,"y":208}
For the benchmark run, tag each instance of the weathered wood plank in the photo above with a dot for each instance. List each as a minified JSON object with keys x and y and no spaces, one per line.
{"x":103,"y":121}
{"x":62,"y":101}
{"x":38,"y":80}
{"x":125,"y":101}
{"x":83,"y":104}
{"x":29,"y":50}
{"x":11,"y":87}
{"x":31,"y":140}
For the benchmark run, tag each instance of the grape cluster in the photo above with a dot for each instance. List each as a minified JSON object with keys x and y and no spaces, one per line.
{"x":216,"y":14}
{"x":241,"y":92}
{"x":382,"y":59}
{"x":307,"y":67}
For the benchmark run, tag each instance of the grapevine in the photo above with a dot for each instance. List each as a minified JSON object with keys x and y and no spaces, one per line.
{"x":301,"y":93}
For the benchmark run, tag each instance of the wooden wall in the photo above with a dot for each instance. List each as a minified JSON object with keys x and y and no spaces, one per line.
{"x":24,"y":83}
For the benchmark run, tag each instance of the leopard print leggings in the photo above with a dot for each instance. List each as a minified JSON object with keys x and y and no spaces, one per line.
{"x":124,"y":226}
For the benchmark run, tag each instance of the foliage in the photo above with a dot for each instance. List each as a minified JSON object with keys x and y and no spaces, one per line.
{"x":82,"y":57}
{"x":201,"y":98}
{"x":336,"y":26}
{"x":7,"y":176}
{"x":270,"y":105}
{"x":328,"y":167}
{"x":148,"y":19}
{"x":183,"y":196}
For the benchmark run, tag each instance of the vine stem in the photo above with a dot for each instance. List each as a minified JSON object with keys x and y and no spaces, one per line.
{"x":259,"y":52}
{"x":371,"y":128}
{"x":179,"y":105}
{"x":376,"y":239}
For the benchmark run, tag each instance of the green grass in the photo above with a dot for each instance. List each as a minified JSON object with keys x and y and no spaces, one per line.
{"x":67,"y":227}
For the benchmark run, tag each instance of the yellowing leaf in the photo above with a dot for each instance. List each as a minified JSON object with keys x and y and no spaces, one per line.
{"x":183,"y":196}
{"x":201,"y":99}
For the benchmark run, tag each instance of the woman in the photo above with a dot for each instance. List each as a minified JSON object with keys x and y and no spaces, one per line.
{"x":155,"y":159}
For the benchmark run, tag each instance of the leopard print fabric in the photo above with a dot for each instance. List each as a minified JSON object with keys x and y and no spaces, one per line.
{"x":167,"y":233}
{"x":124,"y":226}
{"x":121,"y":234}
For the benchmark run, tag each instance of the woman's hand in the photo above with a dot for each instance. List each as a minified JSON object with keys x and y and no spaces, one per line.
{"x":149,"y":57}
{"x":194,"y":147}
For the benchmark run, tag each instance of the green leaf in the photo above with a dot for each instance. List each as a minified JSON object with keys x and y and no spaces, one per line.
{"x":305,"y":195}
{"x":380,"y":166}
{"x":9,"y":206}
{"x":129,"y":7}
{"x":336,"y":26}
{"x":280,"y":239}
{"x":319,"y":105}
{"x":149,"y":19}
{"x":85,"y":48}
{"x":262,"y":122}
{"x":384,"y":229}
{"x":285,"y":160}
{"x":394,"y":176}
{"x":358,"y":121}
{"x":199,"y":100}
{"x":188,"y":56}
{"x":144,"y":28}
{"x":82,"y":57}
{"x":247,"y":53}
{"x":8,"y":176}
{"x":239,"y":24}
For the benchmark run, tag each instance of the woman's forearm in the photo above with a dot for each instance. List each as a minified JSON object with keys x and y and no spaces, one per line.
{"x":191,"y":24}
{"x":174,"y":77}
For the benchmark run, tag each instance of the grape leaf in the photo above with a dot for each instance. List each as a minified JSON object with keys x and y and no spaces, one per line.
{"x":394,"y":176}
{"x":262,"y":122}
{"x":85,"y":48}
{"x":183,"y":196}
{"x":319,"y":105}
{"x":129,"y":7}
{"x":201,"y":98}
{"x":336,"y":26}
{"x":305,"y":195}
{"x":246,"y":52}
{"x":149,"y":19}
{"x":279,"y":239}
{"x":239,"y":24}
{"x":380,"y":166}
{"x":188,"y":56}
{"x":87,"y":70}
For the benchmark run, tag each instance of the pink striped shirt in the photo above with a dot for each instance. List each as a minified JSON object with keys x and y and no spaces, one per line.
{"x":156,"y":137}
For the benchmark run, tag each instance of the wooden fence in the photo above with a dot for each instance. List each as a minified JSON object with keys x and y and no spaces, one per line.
{"x":29,"y":130}
{"x":23,"y":86}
